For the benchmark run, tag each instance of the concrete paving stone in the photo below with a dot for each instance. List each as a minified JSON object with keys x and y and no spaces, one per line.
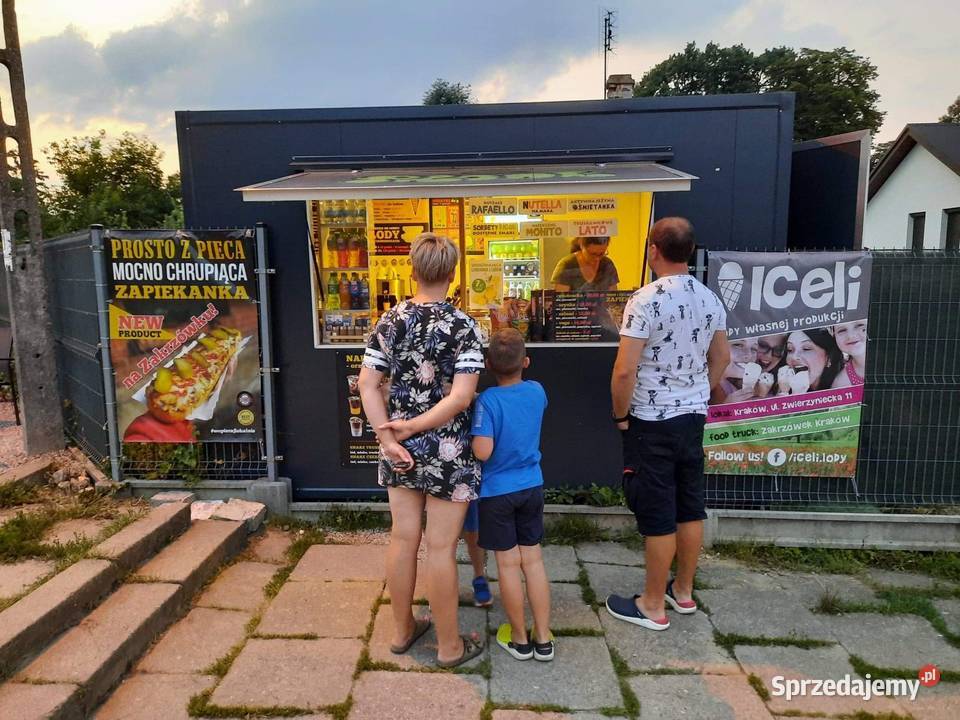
{"x":308,"y":674}
{"x":614,"y":579}
{"x":893,"y":641}
{"x":197,"y":641}
{"x":17,"y":577}
{"x":172,"y":496}
{"x":560,"y":682}
{"x":809,"y":588}
{"x":941,"y":702}
{"x":609,"y":553}
{"x":529,"y":715}
{"x":687,"y":645}
{"x":720,"y":574}
{"x":424,"y":652}
{"x":697,"y":697}
{"x":29,"y":473}
{"x":763,"y":613}
{"x":814,"y":664}
{"x":325,"y":609}
{"x":949,"y":609}
{"x":69,"y":531}
{"x":96,"y":652}
{"x":237,"y":510}
{"x":342,"y":562}
{"x":271,"y":546}
{"x":144,"y":537}
{"x":154,"y":697}
{"x":194,"y":556}
{"x":24,"y":701}
{"x":239,"y":587}
{"x":55,"y":605}
{"x":568,"y":611}
{"x":420,"y":588}
{"x":418,"y":696}
{"x":560,"y":562}
{"x":895,"y":578}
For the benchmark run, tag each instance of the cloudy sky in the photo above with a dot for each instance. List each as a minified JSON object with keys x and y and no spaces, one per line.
{"x":129,"y":64}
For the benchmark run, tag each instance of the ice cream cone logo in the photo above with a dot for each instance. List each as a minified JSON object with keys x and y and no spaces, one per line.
{"x":730,"y":279}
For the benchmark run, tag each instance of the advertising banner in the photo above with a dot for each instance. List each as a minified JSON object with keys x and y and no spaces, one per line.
{"x":184,"y":335}
{"x":358,"y":442}
{"x":789,"y":401}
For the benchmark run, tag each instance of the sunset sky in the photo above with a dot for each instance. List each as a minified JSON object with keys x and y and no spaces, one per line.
{"x":129,"y":64}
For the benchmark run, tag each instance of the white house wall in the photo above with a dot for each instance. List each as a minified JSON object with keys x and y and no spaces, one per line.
{"x":921,"y":183}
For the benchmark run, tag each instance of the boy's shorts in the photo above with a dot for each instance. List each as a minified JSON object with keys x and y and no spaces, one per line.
{"x":512,"y":519}
{"x":663,"y":472}
{"x":471,"y":523}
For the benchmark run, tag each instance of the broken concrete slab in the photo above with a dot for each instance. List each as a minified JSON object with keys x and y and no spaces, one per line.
{"x":338,"y":609}
{"x":423,"y":654}
{"x":609,"y":553}
{"x":271,"y":546}
{"x":418,"y":696}
{"x":763,"y":613}
{"x":151,"y":697}
{"x":568,"y":611}
{"x":720,"y":574}
{"x":251,"y":513}
{"x":614,"y":579}
{"x":204,"y":509}
{"x":697,"y":697}
{"x":144,"y":537}
{"x":949,"y":609}
{"x":191,"y":559}
{"x":893,"y":641}
{"x":30,"y":473}
{"x":897,"y":579}
{"x":17,"y":577}
{"x":239,"y":587}
{"x":307,"y":674}
{"x":193,"y":644}
{"x":54,"y":606}
{"x":172,"y":496}
{"x":810,"y":588}
{"x":342,"y":562}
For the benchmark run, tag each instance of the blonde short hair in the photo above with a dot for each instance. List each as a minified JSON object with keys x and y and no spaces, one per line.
{"x":434,"y":257}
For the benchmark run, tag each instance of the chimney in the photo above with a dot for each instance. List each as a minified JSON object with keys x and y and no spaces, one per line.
{"x":620,"y":86}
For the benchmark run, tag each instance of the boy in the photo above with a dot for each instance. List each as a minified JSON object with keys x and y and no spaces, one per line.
{"x":506,"y":439}
{"x":482,"y":597}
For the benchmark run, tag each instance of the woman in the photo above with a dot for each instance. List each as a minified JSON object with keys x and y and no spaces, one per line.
{"x":816,"y":352}
{"x":433,"y":355}
{"x":730,"y":388}
{"x":852,"y":341}
{"x":586,"y":268}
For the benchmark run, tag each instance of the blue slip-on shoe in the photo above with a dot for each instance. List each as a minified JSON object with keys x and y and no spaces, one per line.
{"x":625,"y":608}
{"x":684,"y":607}
{"x":482,"y":597}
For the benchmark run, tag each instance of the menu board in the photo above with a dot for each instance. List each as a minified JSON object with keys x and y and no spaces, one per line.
{"x":589,"y":316}
{"x":358,"y":443}
{"x":397,"y":223}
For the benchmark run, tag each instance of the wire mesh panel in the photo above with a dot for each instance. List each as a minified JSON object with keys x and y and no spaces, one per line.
{"x":910,"y":428}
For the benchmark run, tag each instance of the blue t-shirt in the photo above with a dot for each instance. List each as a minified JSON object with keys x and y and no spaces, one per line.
{"x":512,"y":416}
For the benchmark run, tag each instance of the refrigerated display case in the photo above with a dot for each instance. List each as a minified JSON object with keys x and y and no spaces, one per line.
{"x":521,"y":259}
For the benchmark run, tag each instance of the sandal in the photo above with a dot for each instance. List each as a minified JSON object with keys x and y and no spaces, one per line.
{"x":471,"y":648}
{"x":419,"y":628}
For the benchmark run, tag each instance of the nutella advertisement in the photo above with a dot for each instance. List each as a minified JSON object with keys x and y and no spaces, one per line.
{"x":184,"y":335}
{"x":789,"y":401}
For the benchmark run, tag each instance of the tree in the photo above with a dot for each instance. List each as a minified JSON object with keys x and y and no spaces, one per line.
{"x":953,"y":113}
{"x":832,"y":86}
{"x":879,"y":150}
{"x":442,"y":92}
{"x":118,"y":184}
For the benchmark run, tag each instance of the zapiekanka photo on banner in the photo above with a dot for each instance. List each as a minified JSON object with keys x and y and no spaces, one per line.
{"x":789,"y":401}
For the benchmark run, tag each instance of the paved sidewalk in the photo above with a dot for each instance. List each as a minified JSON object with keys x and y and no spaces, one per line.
{"x":317,"y":647}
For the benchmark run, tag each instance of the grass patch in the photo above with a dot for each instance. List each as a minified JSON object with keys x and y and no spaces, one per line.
{"x":757,"y":684}
{"x":345,"y":519}
{"x":631,"y":704}
{"x":367,"y":664}
{"x":220,"y":667}
{"x":340,"y":711}
{"x":943,"y":565}
{"x":613,"y":712}
{"x":490,"y":706}
{"x":620,"y":666}
{"x":587,"y":592}
{"x":670,"y":671}
{"x":863,"y":669}
{"x":864,"y":715}
{"x":577,"y":632}
{"x":728,"y":641}
{"x":572,"y":530}
{"x":18,"y":493}
{"x":829,"y":604}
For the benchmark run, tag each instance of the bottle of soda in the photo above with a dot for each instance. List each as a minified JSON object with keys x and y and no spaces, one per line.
{"x":364,"y":292}
{"x":344,"y":289}
{"x":331,"y":248}
{"x":355,"y":303}
{"x":353,"y":245}
{"x":343,"y":251}
{"x":333,"y":293}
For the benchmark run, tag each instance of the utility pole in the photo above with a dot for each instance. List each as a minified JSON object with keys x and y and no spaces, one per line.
{"x":36,"y":364}
{"x":607,"y":38}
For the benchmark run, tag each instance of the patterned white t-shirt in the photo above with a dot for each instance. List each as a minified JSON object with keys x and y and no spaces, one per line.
{"x":677,"y":315}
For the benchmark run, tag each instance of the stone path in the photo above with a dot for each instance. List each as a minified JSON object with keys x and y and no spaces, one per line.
{"x":318,"y":646}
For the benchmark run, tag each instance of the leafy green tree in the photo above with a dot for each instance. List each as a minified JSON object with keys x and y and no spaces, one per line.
{"x":443,"y":92}
{"x":879,"y":150}
{"x":833,"y":87}
{"x":953,"y":112}
{"x":118,"y":184}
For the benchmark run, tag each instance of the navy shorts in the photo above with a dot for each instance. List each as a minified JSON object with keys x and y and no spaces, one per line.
{"x":471,"y":523}
{"x":663,"y":472}
{"x":512,"y":519}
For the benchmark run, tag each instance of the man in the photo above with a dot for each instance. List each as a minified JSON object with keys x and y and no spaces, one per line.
{"x":673,"y":350}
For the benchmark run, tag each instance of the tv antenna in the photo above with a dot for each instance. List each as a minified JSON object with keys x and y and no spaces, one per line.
{"x":608,"y":18}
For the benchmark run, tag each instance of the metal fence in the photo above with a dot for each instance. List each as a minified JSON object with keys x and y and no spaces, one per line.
{"x":910,"y":435}
{"x":73,"y":306}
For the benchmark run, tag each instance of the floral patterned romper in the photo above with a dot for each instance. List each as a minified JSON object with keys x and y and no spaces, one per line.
{"x":421,"y":346}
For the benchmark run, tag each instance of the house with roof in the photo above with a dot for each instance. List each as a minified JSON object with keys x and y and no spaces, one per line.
{"x":913,"y":200}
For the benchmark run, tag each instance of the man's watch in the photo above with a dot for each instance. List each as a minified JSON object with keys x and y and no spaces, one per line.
{"x":623,"y":419}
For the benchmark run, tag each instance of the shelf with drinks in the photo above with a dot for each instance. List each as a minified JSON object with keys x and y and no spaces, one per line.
{"x":340,"y":212}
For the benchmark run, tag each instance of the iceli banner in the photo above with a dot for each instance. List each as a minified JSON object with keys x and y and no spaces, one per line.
{"x":789,"y":401}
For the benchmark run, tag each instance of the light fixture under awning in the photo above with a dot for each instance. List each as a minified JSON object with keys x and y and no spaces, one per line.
{"x":380,"y":183}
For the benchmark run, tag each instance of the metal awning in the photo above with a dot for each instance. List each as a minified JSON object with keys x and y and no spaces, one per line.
{"x":504,"y":180}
